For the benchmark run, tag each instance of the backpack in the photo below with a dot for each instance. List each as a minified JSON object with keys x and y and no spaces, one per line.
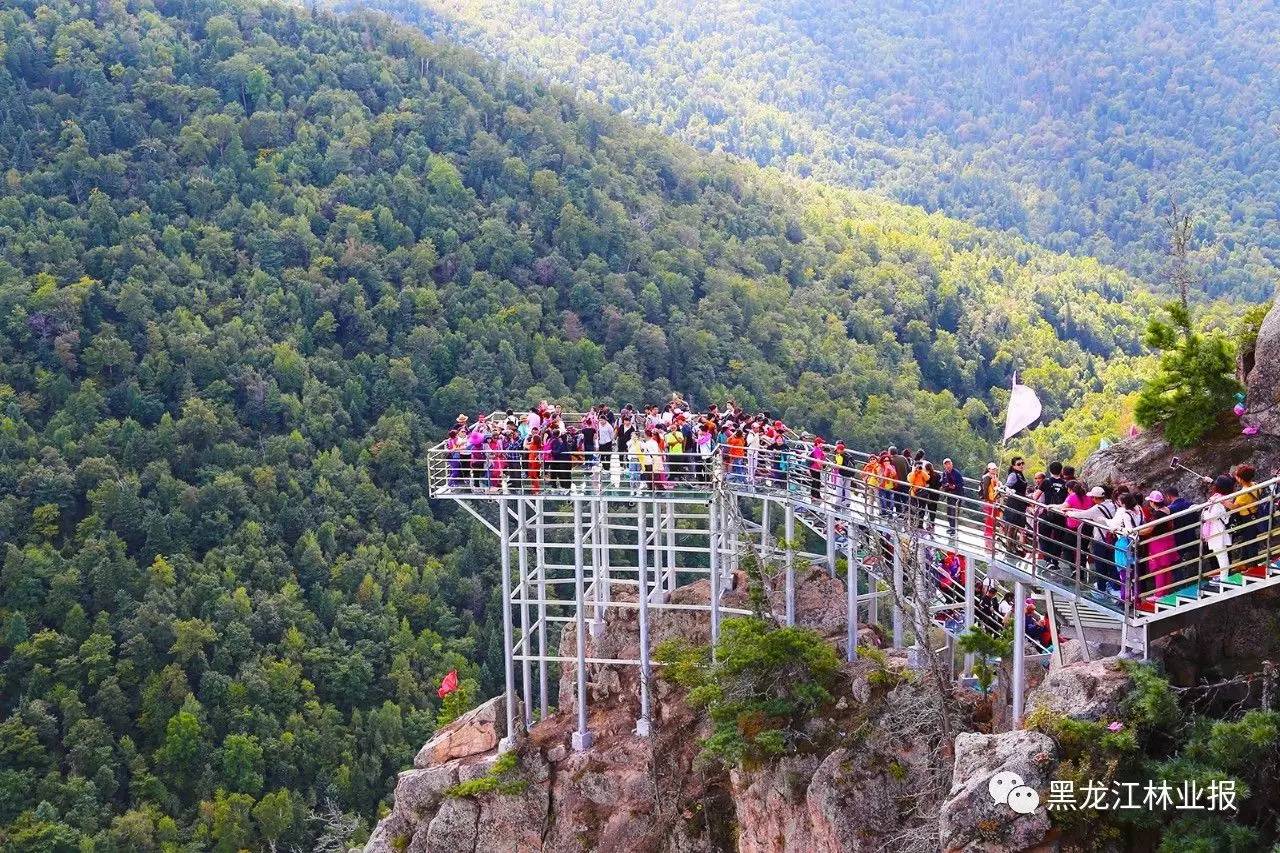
{"x":1087,"y":527}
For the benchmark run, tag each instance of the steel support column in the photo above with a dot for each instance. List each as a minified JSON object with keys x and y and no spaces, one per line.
{"x":1019,"y":650}
{"x":504,"y":528}
{"x":522,"y":521}
{"x":644,"y":726}
{"x":582,"y":737}
{"x":851,"y":590}
{"x":791,"y":563}
{"x":897,"y":591}
{"x":540,"y":556}
{"x":831,"y":544}
{"x":713,"y":523}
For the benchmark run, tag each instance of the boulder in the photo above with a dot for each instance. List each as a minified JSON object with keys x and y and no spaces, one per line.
{"x":1263,"y":376}
{"x":475,"y":732}
{"x":851,"y":797}
{"x":820,"y":602}
{"x":970,"y":819}
{"x":452,"y":830}
{"x":1085,"y":691}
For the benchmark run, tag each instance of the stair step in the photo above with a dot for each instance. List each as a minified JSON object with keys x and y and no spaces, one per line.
{"x":1190,"y":592}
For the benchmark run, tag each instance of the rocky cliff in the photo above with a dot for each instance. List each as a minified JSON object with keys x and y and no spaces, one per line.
{"x":877,"y":776}
{"x":1144,"y":460}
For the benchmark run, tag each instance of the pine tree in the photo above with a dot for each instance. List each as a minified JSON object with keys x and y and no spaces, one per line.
{"x":1195,"y":380}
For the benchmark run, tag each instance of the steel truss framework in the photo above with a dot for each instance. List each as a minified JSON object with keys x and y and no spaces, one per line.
{"x":569,"y":558}
{"x":572,"y":550}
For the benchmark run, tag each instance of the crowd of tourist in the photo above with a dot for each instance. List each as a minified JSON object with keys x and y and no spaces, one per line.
{"x":1119,"y":540}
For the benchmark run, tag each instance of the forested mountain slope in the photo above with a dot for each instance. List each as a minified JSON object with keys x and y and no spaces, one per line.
{"x":1072,"y":122}
{"x":252,"y":262}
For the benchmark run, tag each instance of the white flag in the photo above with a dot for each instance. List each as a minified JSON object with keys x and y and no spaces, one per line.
{"x":1024,"y":409}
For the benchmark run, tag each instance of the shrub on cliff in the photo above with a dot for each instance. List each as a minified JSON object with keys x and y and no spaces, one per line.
{"x":759,"y":689}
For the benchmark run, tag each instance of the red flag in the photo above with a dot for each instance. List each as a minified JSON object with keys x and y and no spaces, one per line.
{"x":449,"y":684}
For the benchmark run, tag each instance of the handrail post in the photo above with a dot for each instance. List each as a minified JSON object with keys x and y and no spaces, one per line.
{"x":643,"y":724}
{"x":1019,"y":651}
{"x":1271,"y":524}
{"x":509,"y":672}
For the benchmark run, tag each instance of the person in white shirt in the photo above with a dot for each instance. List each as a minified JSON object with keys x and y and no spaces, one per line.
{"x":605,"y":436}
{"x":753,"y":453}
{"x":655,"y":469}
{"x":1125,"y":526}
{"x":1214,"y":519}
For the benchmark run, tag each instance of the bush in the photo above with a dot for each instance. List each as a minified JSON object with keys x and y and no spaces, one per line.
{"x":985,"y":646}
{"x":761,"y":687}
{"x":503,"y":778}
{"x":1194,"y":382}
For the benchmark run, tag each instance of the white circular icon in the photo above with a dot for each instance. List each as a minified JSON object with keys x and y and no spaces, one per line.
{"x":1024,"y":799}
{"x":1002,"y":783}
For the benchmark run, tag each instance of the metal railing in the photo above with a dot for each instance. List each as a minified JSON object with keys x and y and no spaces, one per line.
{"x":1136,"y":569}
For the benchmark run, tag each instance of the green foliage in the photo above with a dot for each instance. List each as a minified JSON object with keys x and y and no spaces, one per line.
{"x":254,"y":261}
{"x":1151,"y":706}
{"x":883,"y":676}
{"x":761,"y":687}
{"x":457,"y":703}
{"x":1156,"y":742}
{"x":503,"y":777}
{"x":985,"y":647}
{"x":1249,"y":325}
{"x":1037,"y":117}
{"x":1208,"y":834}
{"x":1194,"y":382}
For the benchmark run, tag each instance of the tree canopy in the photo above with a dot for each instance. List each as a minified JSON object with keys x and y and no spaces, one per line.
{"x":253,"y":260}
{"x":1076,"y":124}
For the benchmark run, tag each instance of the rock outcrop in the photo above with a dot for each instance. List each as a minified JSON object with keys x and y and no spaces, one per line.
{"x":476,"y":731}
{"x":1084,"y":691}
{"x":1261,"y":369}
{"x":971,"y":820}
{"x":855,"y":796}
{"x":872,"y":775}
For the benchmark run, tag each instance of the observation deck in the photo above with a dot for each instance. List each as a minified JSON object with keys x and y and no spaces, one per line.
{"x":622,"y":530}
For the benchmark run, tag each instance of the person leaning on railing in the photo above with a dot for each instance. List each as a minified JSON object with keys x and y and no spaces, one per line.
{"x":1095,"y":524}
{"x":1214,"y":519}
{"x":1245,"y":515}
